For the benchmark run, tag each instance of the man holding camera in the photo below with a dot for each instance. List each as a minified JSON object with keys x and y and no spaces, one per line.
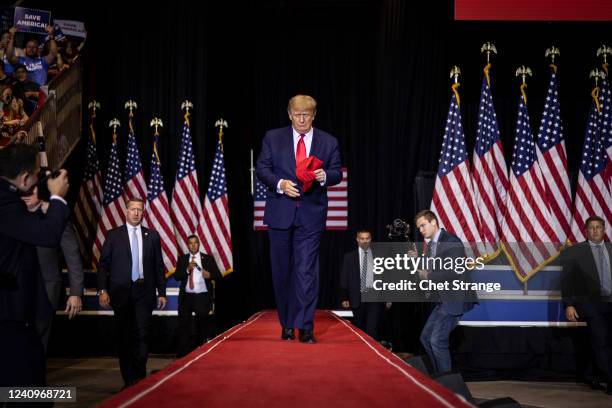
{"x":195,"y":271}
{"x":23,"y":299}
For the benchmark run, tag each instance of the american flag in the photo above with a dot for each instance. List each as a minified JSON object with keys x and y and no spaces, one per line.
{"x":552,"y":159}
{"x":606,"y":123}
{"x":135,"y":185}
{"x":530,"y":241}
{"x":186,"y":207}
{"x":337,"y":205}
{"x":489,"y":170}
{"x":113,"y":211}
{"x":89,"y":202}
{"x":592,"y":193}
{"x":157,"y":215}
{"x":216,"y":226}
{"x":453,"y":198}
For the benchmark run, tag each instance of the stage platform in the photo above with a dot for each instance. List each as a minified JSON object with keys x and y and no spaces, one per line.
{"x":249,"y":365}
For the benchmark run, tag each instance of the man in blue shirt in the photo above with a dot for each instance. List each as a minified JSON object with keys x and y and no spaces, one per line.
{"x":36,"y":65}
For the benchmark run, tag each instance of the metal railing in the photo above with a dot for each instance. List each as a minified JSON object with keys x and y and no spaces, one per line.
{"x":60,"y":117}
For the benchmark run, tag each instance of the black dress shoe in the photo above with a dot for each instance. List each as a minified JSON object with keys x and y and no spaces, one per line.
{"x":609,"y":388}
{"x":307,"y":336}
{"x":288,"y":334}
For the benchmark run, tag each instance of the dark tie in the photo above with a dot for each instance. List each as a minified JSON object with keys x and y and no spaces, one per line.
{"x":300,"y":152}
{"x":364,"y":270}
{"x":191,"y":285}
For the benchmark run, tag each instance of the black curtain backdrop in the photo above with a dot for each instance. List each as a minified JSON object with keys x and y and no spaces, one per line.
{"x":379,"y":70}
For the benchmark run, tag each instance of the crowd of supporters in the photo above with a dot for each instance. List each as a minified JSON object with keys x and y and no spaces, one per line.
{"x":24,"y":74}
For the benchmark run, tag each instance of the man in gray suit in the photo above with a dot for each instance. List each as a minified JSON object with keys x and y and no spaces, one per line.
{"x":49,"y":260}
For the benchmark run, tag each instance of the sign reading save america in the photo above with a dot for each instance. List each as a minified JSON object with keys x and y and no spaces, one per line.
{"x":31,"y":21}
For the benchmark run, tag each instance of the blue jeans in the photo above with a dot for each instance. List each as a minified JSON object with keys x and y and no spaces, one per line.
{"x":434,"y":338}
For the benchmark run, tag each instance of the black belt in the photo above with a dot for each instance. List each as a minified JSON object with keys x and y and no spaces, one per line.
{"x":139,"y":281}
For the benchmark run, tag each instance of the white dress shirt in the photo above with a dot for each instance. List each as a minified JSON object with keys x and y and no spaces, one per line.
{"x":307,"y":140}
{"x":308,"y":143}
{"x":139,"y":235}
{"x":199,"y":284}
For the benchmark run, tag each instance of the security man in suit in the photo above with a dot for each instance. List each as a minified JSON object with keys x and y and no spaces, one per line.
{"x":356,"y":278}
{"x":195,"y":271}
{"x":130,"y":272}
{"x":586,"y":287}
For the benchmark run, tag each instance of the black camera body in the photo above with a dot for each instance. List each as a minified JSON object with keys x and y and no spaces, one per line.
{"x":399,"y":231}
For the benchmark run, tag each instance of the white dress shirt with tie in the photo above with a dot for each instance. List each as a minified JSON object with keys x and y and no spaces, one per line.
{"x":370,"y":267}
{"x":138,"y":229}
{"x":307,"y":143}
{"x":199,"y":284}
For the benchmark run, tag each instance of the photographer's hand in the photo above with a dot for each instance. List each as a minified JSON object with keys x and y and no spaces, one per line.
{"x":59,"y":185}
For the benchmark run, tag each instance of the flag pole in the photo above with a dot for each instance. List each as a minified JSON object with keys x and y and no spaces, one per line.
{"x":252,"y":171}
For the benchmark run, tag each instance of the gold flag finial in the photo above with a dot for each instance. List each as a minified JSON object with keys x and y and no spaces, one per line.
{"x":489,"y":48}
{"x":114,"y":123}
{"x":552,"y":52}
{"x":157,"y":123}
{"x":454,"y":73}
{"x":524,"y":72}
{"x":221,"y":123}
{"x":131,"y":105}
{"x":186,"y":105}
{"x":597,"y":74}
{"x":604,"y":51}
{"x":93,"y":105}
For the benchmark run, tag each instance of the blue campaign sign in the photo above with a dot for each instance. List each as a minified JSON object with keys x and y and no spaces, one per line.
{"x":31,"y":20}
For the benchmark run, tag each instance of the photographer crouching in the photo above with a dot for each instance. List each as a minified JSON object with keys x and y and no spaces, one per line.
{"x":23,"y":298}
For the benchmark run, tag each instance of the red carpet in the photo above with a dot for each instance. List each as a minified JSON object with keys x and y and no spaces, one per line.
{"x":249,"y":365}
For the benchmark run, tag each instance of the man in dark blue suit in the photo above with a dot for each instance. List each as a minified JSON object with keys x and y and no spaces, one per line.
{"x":23,"y":299}
{"x":586,"y":287}
{"x":296,"y":218}
{"x":129,"y":273}
{"x":449,"y":305}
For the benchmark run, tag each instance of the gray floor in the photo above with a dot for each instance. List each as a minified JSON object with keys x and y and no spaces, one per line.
{"x":98,"y":378}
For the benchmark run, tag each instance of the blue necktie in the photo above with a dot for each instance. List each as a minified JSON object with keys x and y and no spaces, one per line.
{"x":604,"y":271}
{"x":135,"y":257}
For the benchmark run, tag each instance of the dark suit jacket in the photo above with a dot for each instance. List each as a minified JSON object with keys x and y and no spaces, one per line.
{"x":22,"y":293}
{"x":50,"y":261}
{"x":350,"y":278}
{"x":115,"y":266}
{"x":453,"y":302}
{"x":580,"y":284}
{"x":208,"y":263}
{"x":277,"y":161}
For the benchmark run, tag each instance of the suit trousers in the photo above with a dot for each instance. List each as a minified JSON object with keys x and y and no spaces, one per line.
{"x":368,"y":317}
{"x":600,"y":336}
{"x":435,"y":336}
{"x":200,"y":303}
{"x":133,"y":323}
{"x":43,"y":327}
{"x":294,"y":257}
{"x":22,"y":356}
